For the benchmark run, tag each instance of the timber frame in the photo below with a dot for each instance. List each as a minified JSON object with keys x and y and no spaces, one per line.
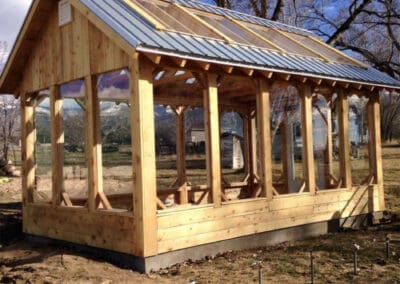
{"x":87,"y":48}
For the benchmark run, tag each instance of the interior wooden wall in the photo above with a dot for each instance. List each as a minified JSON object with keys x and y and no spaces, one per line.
{"x":71,"y":52}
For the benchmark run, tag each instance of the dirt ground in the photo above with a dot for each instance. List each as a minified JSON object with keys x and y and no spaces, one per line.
{"x":25,"y":262}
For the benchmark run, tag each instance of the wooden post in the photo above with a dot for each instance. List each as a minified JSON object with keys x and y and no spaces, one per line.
{"x":57,"y":143}
{"x":374,"y":129}
{"x":254,"y":156}
{"x":93,"y":147}
{"x":28,"y":141}
{"x":307,"y":133}
{"x":251,"y":153}
{"x":144,"y":157}
{"x":263,"y":119}
{"x":247,"y":141}
{"x":180,"y":154}
{"x":284,"y":156}
{"x":344,"y":139}
{"x":213,"y":149}
{"x":328,"y":155}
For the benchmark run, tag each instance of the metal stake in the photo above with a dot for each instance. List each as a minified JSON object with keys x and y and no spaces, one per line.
{"x":387,"y":248}
{"x":312,"y":267}
{"x":356,"y":248}
{"x":258,"y":263}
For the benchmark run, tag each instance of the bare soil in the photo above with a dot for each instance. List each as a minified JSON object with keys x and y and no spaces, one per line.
{"x":25,"y":262}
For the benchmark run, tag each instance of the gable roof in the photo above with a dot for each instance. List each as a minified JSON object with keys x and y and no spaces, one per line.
{"x":136,"y":24}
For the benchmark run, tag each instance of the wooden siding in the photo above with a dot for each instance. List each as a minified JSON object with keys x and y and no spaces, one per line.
{"x":71,"y":52}
{"x":187,"y":228}
{"x":98,"y":229}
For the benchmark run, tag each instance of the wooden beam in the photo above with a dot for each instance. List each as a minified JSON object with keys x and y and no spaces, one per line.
{"x":202,"y":22}
{"x":247,"y":72}
{"x":267,"y":74}
{"x":143,"y":156}
{"x":93,"y":147}
{"x":155,"y":58}
{"x":257,"y":35}
{"x":137,"y":8}
{"x":312,"y":50}
{"x":211,"y":121}
{"x":285,"y":77}
{"x":317,"y":81}
{"x":328,"y":152}
{"x":172,"y":79}
{"x":264,"y":136}
{"x":227,"y":69}
{"x":370,"y":88}
{"x":307,"y":135}
{"x":28,"y":141}
{"x":247,"y":144}
{"x":344,"y":139}
{"x":203,"y":65}
{"x":57,"y":144}
{"x":374,"y":130}
{"x":344,"y":84}
{"x":342,"y":54}
{"x":181,"y":63}
{"x":181,"y":154}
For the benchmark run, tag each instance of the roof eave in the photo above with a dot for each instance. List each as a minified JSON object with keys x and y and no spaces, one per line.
{"x":260,"y":68}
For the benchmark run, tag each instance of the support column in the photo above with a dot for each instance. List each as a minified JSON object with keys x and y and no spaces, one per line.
{"x":57,"y":144}
{"x":263,"y":119}
{"x":328,"y":155}
{"x":374,"y":129}
{"x":213,"y":149}
{"x":253,"y":178}
{"x":93,"y":147}
{"x":144,"y":157}
{"x":344,"y":139}
{"x":307,"y":135}
{"x":28,"y":141}
{"x":180,"y":154}
{"x":247,"y":141}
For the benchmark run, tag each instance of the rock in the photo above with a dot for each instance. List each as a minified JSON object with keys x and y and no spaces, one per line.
{"x":9,"y":169}
{"x":16,"y":173}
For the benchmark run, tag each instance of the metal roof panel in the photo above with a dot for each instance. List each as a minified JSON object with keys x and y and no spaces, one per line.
{"x":138,"y":32}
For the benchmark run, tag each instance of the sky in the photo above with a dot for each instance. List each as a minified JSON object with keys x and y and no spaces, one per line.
{"x":12,"y":15}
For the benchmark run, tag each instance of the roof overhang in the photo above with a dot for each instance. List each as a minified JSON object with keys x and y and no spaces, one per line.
{"x":146,"y":50}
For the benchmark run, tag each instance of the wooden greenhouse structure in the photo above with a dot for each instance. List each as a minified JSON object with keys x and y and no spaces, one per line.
{"x":88,"y":71}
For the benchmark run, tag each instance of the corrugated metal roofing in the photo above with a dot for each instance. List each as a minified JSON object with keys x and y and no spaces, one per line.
{"x":142,"y":35}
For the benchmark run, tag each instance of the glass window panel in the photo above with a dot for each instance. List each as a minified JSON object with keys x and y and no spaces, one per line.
{"x":281,"y":41}
{"x":286,"y":137}
{"x":359,"y":140}
{"x":75,"y":167}
{"x":173,"y":18}
{"x":321,"y":48}
{"x":115,"y":129}
{"x":326,"y":142}
{"x":195,"y":147}
{"x":166,"y":153}
{"x":233,"y":149}
{"x":43,"y":154}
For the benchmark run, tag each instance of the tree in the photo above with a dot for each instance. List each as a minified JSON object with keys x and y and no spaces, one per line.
{"x":366,"y":29}
{"x":9,"y":112}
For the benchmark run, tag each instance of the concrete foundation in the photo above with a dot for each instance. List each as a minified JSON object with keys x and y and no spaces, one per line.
{"x":160,"y":261}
